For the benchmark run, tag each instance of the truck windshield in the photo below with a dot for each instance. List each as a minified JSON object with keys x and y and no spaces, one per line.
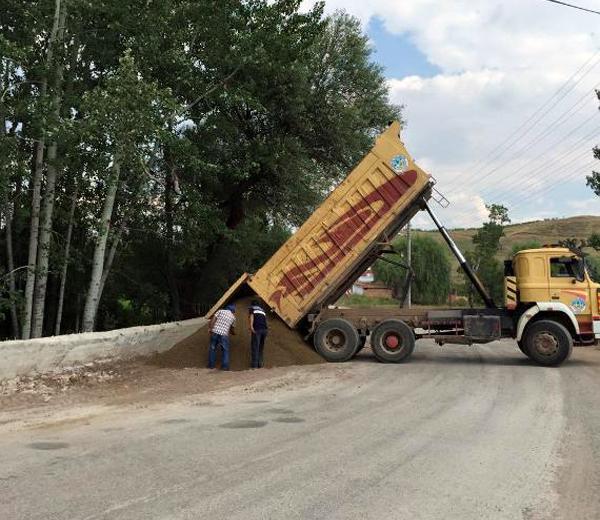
{"x":567,"y":267}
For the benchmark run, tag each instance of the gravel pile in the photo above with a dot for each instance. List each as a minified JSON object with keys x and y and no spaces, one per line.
{"x":284,"y":346}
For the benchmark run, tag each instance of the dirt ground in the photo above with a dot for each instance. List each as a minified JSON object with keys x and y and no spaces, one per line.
{"x":162,"y":377}
{"x":136,"y":382}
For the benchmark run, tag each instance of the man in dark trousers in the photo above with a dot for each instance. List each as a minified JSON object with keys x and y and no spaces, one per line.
{"x":221,"y":325}
{"x":257,"y":320}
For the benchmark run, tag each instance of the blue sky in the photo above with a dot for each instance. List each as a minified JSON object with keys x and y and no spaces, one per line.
{"x":397,"y":53}
{"x":469,"y":73}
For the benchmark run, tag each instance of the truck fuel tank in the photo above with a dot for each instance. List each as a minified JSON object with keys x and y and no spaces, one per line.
{"x":480,"y":328}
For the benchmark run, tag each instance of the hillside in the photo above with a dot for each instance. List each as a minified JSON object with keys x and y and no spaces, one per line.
{"x":544,"y":231}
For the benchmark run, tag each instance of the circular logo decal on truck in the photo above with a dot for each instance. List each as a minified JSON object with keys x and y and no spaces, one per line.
{"x":399,"y":163}
{"x":578,"y":304}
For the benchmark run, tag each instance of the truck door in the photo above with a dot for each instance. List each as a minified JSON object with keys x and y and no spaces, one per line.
{"x":570,"y":285}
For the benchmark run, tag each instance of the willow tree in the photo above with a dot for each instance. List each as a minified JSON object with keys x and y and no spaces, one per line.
{"x":430,"y":265}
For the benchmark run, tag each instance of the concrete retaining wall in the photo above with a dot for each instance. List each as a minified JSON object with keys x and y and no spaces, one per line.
{"x":28,"y":357}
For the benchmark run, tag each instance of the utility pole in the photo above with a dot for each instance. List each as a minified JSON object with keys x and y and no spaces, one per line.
{"x":409,"y":262}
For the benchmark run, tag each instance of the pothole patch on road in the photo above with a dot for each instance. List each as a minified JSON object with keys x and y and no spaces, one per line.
{"x":280,"y":410}
{"x":48,"y":445}
{"x":244,"y":424}
{"x":290,"y":420}
{"x":175,"y":421}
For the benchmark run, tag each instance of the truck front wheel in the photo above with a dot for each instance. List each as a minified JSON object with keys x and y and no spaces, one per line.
{"x":548,"y":343}
{"x":392,"y":341}
{"x":522,"y":347}
{"x":336,"y":339}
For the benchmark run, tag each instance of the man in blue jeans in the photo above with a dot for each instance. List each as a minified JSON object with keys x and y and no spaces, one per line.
{"x":221,"y":325}
{"x":257,"y":320}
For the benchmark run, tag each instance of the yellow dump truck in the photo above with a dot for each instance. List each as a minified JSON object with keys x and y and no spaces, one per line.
{"x":550,"y":301}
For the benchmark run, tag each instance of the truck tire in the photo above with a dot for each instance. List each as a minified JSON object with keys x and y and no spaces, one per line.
{"x":548,"y":343}
{"x":523,"y":347}
{"x":336,"y":340}
{"x":392,"y":341}
{"x":362,"y":341}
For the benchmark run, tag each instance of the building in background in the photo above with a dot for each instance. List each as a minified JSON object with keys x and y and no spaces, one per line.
{"x":367,"y":286}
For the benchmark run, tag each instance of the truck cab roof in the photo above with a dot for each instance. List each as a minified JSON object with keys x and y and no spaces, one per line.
{"x":548,"y":250}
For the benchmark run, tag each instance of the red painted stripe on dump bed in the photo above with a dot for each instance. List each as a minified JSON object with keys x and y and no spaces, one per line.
{"x":345,"y":233}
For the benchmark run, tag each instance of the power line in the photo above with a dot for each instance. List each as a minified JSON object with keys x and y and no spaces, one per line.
{"x":541,"y":191}
{"x":565,"y":162}
{"x":537,"y":172}
{"x":573,"y":6}
{"x":560,"y":184}
{"x":525,"y":186}
{"x":565,"y":116}
{"x":499,"y":181}
{"x":512,"y":174}
{"x":529,"y":190}
{"x":541,"y":112}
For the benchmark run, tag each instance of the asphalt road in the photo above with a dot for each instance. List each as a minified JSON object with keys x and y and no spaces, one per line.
{"x":458,"y":432}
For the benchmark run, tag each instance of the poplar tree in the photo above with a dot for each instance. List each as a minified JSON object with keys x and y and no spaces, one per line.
{"x":123,"y":117}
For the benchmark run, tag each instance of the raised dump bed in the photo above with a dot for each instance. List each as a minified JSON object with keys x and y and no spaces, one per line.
{"x":344,"y":235}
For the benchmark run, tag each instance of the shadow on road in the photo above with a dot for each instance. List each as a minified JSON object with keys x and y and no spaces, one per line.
{"x":477,"y":358}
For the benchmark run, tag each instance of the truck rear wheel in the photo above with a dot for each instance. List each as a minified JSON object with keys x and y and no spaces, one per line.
{"x":362,"y":341}
{"x":548,"y":343}
{"x":336,"y":340}
{"x":392,"y":341}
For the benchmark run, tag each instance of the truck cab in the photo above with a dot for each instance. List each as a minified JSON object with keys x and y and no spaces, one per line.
{"x":552,"y":283}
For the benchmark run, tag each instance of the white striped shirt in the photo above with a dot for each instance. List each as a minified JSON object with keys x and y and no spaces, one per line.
{"x":224,"y":320}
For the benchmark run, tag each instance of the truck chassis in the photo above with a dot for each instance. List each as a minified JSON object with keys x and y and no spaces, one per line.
{"x":339,"y":334}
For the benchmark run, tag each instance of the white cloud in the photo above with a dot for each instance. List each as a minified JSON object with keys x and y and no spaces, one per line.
{"x":587,"y":206}
{"x":499,"y":62}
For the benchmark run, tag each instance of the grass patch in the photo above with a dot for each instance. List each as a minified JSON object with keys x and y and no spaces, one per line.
{"x":360,"y":300}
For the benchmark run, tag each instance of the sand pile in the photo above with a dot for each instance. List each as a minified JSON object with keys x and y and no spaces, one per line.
{"x":283,"y":347}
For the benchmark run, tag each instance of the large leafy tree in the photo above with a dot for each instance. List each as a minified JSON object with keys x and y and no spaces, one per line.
{"x":155,"y":150}
{"x":299,"y":104}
